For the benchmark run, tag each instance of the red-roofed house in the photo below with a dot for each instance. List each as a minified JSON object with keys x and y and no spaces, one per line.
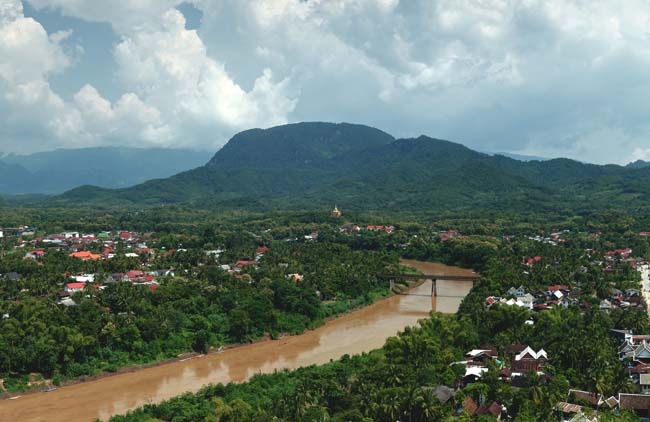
{"x":135,"y":274}
{"x":74,"y":287}
{"x":243,"y":263}
{"x":85,"y":256}
{"x":39,"y":253}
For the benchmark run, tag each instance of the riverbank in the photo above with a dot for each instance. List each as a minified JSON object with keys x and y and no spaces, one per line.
{"x":359,"y":331}
{"x":346,"y":308}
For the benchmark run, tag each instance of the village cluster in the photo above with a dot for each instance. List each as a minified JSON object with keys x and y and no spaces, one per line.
{"x":634,"y":351}
{"x":104,"y":246}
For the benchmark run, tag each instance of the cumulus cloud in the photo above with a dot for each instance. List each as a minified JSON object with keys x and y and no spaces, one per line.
{"x":124,"y":15}
{"x":549,"y":77}
{"x":168,"y":66}
{"x":175,"y":95}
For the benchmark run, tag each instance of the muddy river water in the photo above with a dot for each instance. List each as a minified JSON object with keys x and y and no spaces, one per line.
{"x":360,"y":331}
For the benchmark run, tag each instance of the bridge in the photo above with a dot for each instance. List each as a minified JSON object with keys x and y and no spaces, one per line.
{"x":433,"y":277}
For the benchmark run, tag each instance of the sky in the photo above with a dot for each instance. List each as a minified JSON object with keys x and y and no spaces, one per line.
{"x":551,"y":78}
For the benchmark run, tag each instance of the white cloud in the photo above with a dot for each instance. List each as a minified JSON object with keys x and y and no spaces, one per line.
{"x":168,"y":67}
{"x":175,"y":95}
{"x":549,"y":76}
{"x":124,"y":15}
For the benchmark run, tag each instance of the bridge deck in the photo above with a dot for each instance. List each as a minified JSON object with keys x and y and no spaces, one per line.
{"x":431,"y":277}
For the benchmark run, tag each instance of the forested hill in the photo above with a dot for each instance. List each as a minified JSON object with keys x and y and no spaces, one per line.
{"x":54,"y":172}
{"x":314,"y":165}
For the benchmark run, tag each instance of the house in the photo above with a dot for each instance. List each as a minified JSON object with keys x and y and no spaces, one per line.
{"x":505,"y":374}
{"x":85,"y":256}
{"x":568,"y":410}
{"x":75,"y":287}
{"x":527,"y":301}
{"x":611,"y":402}
{"x":530,"y":261}
{"x":605,"y":305}
{"x":518,"y":292}
{"x":528,"y":360}
{"x":644,"y":383}
{"x":66,"y":301}
{"x":473,"y":373}
{"x":135,"y":274}
{"x":637,"y":403}
{"x":642,"y":352}
{"x":566,"y":301}
{"x":127,"y":236}
{"x":626,"y":350}
{"x":593,"y":399}
{"x":244,"y":263}
{"x":13,"y":276}
{"x":494,"y":409}
{"x":37,"y":254}
{"x":441,"y":393}
{"x":636,"y":371}
{"x":556,"y":294}
{"x":84,"y":278}
{"x":529,"y":353}
{"x":469,"y":406}
{"x":478,"y":357}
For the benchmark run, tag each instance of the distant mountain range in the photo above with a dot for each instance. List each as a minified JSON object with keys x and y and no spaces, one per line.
{"x":54,"y":172}
{"x":521,"y":157}
{"x":638,"y":164}
{"x":314,"y":165}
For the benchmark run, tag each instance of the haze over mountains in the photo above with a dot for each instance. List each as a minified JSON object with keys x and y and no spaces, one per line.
{"x":314,"y":165}
{"x":56,"y":171}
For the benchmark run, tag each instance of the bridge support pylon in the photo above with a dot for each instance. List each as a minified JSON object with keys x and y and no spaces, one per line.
{"x":392,"y":284}
{"x":434,"y":287}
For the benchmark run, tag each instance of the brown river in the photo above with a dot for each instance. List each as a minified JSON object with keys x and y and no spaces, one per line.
{"x":359,"y":331}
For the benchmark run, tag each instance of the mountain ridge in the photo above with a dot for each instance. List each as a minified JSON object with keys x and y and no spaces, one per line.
{"x":312,"y":165}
